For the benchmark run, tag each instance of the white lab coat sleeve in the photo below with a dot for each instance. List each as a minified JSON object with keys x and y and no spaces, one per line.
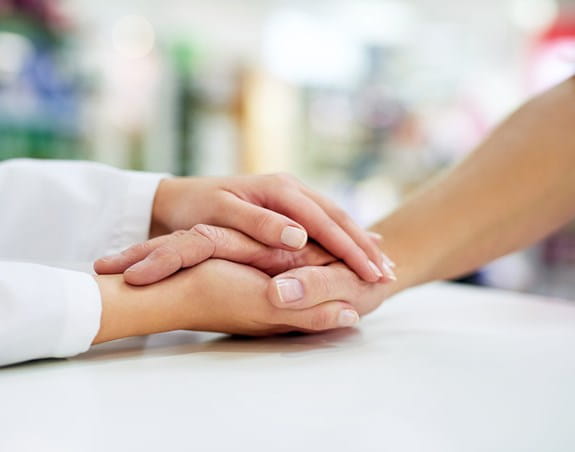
{"x":70,"y":212}
{"x":46,"y":312}
{"x":64,"y":213}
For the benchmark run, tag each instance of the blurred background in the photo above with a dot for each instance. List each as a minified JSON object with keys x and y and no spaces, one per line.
{"x":364,"y":100}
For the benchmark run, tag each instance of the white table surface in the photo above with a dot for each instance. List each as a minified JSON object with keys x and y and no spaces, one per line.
{"x":439,"y":368}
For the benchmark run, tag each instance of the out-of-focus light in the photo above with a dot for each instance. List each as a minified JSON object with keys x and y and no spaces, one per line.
{"x":552,"y":63}
{"x":533,"y":15}
{"x":134,"y":37}
{"x":305,"y":50}
{"x":14,"y":50}
{"x":378,"y":22}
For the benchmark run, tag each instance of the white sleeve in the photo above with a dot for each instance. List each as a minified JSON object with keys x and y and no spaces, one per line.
{"x":66,"y":211}
{"x":46,"y":312}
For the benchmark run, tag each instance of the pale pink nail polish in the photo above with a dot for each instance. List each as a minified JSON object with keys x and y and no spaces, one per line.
{"x":375,"y":236}
{"x":294,"y":237}
{"x":375,"y":269}
{"x":388,"y":272}
{"x":347,"y":318}
{"x":289,"y":290}
{"x":387,"y":260}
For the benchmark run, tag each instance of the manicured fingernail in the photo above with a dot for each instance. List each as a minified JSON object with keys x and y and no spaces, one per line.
{"x":289,"y":290}
{"x":375,"y":269}
{"x":347,"y":318}
{"x":387,"y":260}
{"x":388,"y":272}
{"x":375,"y":236}
{"x":294,"y":237}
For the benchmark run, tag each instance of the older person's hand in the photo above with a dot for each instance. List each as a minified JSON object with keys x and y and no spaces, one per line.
{"x":149,"y":262}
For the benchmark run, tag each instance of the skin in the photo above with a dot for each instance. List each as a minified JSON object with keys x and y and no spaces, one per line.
{"x":151,"y":261}
{"x":260,"y":207}
{"x":517,"y":187}
{"x":196,"y":299}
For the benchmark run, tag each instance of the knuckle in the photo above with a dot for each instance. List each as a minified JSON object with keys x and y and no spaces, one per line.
{"x":162,"y":252}
{"x":137,"y":250}
{"x":206,"y":231}
{"x":320,"y":281}
{"x":277,"y":260}
{"x":320,"y":320}
{"x":179,"y":233}
{"x":211,"y":236}
{"x":289,"y":259}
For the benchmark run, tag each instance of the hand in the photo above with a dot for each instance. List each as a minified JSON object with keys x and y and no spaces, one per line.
{"x":160,"y":257}
{"x":275,"y":210}
{"x":218,"y":296}
{"x":304,"y":288}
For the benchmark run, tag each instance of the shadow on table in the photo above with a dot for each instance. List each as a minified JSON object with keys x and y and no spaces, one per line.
{"x":184,"y":343}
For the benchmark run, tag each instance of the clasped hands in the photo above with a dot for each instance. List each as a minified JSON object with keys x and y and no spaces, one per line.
{"x":234,"y":255}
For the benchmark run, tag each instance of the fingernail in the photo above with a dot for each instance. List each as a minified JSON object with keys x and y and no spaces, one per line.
{"x":294,"y":237}
{"x":375,"y":236}
{"x":347,"y":318}
{"x":289,"y":290}
{"x":375,"y":269}
{"x":388,"y":271}
{"x":387,"y":260}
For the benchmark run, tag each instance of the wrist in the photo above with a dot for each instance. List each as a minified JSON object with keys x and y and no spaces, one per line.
{"x":137,"y":311}
{"x":405,"y":249}
{"x":159,"y":224}
{"x":114,"y":324}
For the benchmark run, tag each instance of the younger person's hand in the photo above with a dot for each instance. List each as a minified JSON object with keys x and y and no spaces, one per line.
{"x":217,"y":296}
{"x":275,"y":210}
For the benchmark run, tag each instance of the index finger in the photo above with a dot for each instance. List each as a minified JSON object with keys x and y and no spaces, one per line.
{"x":329,"y":234}
{"x":360,"y":236}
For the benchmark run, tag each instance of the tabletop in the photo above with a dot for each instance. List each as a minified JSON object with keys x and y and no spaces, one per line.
{"x":438,"y":368}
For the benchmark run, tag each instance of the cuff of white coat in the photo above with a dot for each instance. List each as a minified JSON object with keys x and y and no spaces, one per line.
{"x":46,"y":312}
{"x":136,"y":215}
{"x":83,"y":312}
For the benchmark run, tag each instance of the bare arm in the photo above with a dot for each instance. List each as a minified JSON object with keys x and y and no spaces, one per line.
{"x":517,"y":187}
{"x":217,"y":296}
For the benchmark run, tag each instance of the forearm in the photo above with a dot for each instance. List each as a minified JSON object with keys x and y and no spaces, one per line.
{"x":132,"y":311}
{"x":517,"y":187}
